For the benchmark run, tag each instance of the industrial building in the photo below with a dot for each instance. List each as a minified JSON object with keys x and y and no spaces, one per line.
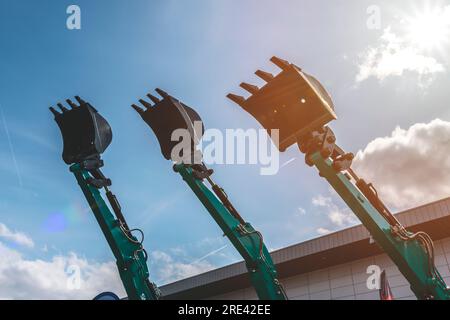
{"x":333,"y":266}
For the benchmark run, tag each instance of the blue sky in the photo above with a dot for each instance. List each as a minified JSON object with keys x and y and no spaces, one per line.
{"x":198,"y":51}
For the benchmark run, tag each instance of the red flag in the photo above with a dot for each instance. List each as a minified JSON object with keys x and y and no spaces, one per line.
{"x":385,"y":289}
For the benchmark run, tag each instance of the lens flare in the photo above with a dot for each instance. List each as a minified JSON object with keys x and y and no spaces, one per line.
{"x":73,"y":214}
{"x":430,"y":29}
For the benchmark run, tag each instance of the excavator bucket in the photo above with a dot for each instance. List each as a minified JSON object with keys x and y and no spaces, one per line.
{"x":166,"y":114}
{"x":293,"y":102}
{"x":86,"y":134}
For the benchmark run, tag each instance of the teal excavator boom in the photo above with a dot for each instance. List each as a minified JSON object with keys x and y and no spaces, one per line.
{"x":247,"y":241}
{"x":167,"y":117}
{"x":413,"y":253}
{"x":298,"y":106}
{"x":86,"y":134}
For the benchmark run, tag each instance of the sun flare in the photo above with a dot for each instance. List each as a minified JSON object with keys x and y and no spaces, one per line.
{"x":430,"y":29}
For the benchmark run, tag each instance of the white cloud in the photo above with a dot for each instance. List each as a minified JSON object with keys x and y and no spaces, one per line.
{"x":337,"y":217}
{"x":409,"y":167}
{"x":16,"y":237}
{"x":321,"y":201}
{"x":322,"y":231}
{"x":394,"y":56}
{"x":166,"y":269}
{"x":301,"y":211}
{"x":21,"y":278}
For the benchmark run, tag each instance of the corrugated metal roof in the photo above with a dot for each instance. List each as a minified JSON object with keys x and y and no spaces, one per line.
{"x":413,"y":217}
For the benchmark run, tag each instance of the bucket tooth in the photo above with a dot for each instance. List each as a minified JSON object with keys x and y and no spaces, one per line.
{"x":236,"y":99}
{"x":145,"y":104}
{"x":138,"y":110}
{"x":80,"y":101}
{"x":63,"y":109}
{"x":283,"y":64}
{"x":266,"y":76}
{"x":249,"y":87}
{"x":162,"y":93}
{"x":153,"y":98}
{"x":55,"y":113}
{"x":71,"y":104}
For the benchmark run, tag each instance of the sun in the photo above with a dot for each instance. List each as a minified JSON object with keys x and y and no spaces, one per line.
{"x":429,"y":29}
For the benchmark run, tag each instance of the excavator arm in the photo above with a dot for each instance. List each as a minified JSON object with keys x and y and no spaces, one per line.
{"x":168,"y":116}
{"x":412,"y":253}
{"x":296,"y":104}
{"x":247,"y":241}
{"x":131,"y":257}
{"x":86,"y":134}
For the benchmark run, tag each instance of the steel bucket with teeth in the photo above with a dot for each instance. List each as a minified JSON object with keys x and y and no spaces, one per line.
{"x":165,"y":116}
{"x":293,"y":102}
{"x":86,"y":134}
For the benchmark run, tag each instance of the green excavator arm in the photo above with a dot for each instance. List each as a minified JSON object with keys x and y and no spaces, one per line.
{"x":166,"y":116}
{"x":131,"y":258}
{"x":86,"y":135}
{"x":297,"y":105}
{"x":247,"y":241}
{"x":412,"y":253}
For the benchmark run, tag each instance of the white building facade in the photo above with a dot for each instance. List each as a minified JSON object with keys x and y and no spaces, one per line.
{"x":334,"y":266}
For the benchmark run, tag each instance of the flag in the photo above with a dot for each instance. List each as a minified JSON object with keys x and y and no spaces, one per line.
{"x":385,"y":289}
